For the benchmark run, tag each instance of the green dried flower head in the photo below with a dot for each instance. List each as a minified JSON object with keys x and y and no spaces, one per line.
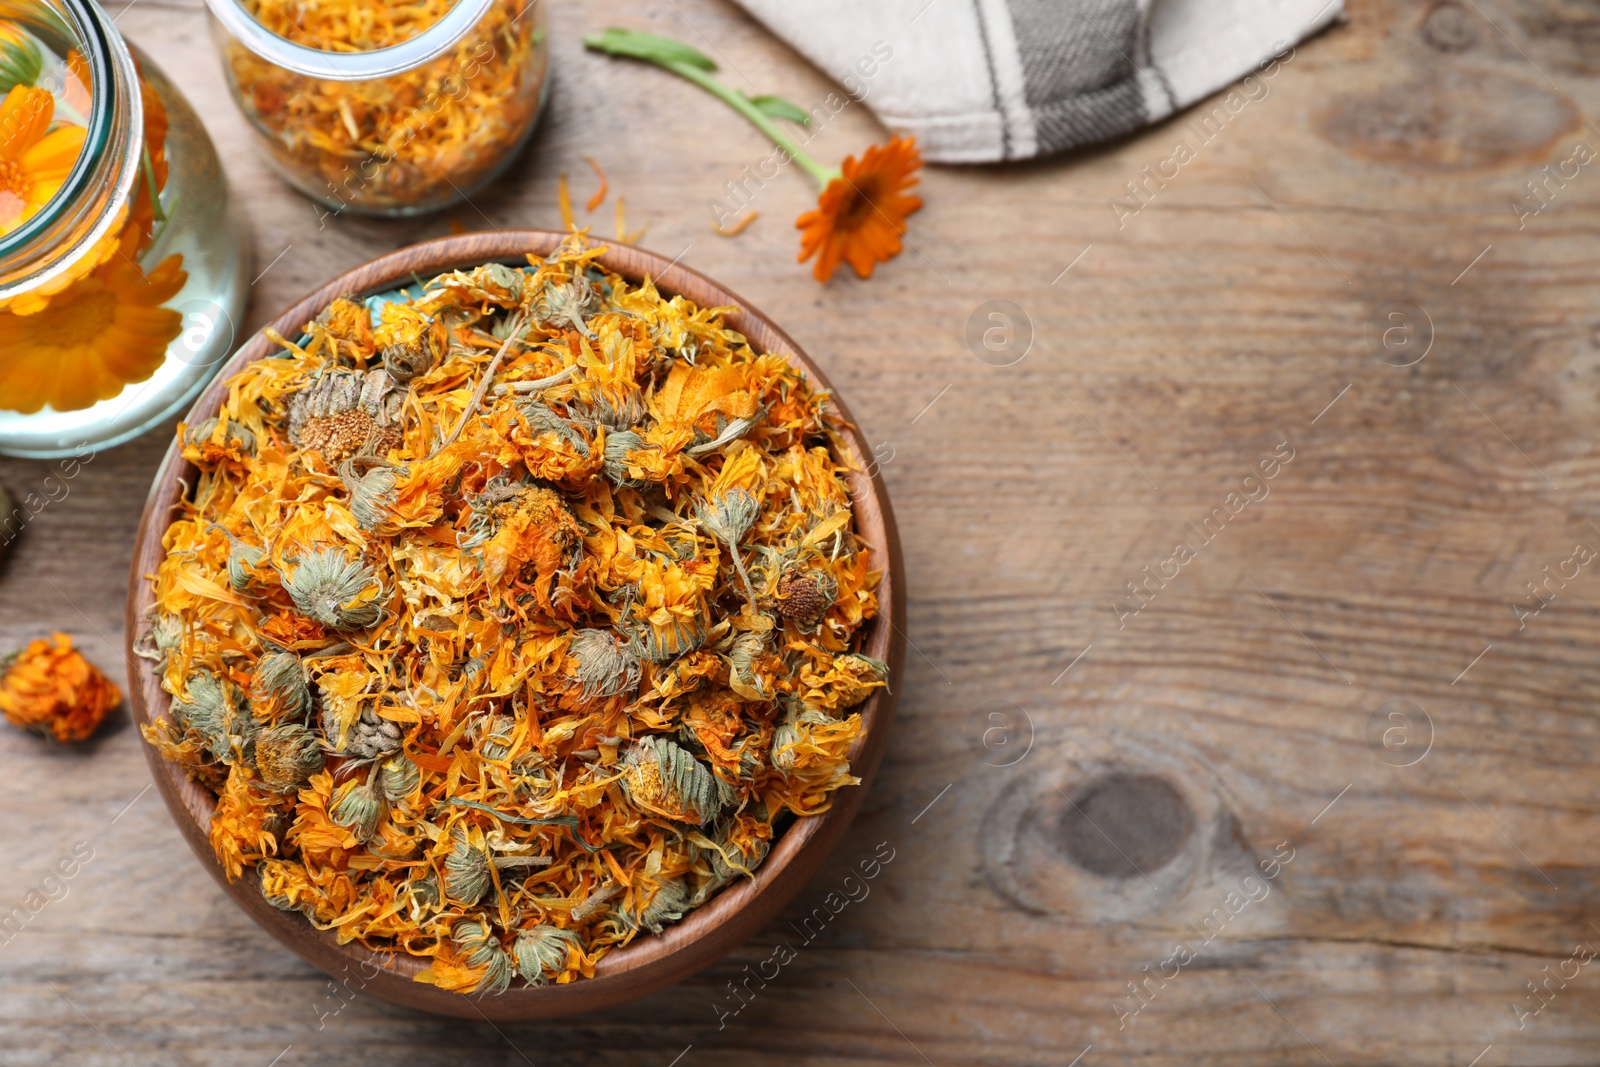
{"x":743,"y":677}
{"x":372,"y":494}
{"x":541,"y":949}
{"x":607,"y":666}
{"x":243,"y":558}
{"x":333,"y":590}
{"x":730,"y":515}
{"x":668,"y":904}
{"x":281,"y":680}
{"x":161,"y":635}
{"x":201,"y":432}
{"x":466,"y":871}
{"x":398,"y":777}
{"x":729,"y":518}
{"x":358,"y":808}
{"x":424,"y":891}
{"x":784,"y":740}
{"x":212,"y":711}
{"x":286,"y":756}
{"x":618,"y":444}
{"x":661,"y":776}
{"x":480,"y":948}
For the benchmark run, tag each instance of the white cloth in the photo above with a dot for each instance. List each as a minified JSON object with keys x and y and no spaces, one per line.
{"x":982,"y":80}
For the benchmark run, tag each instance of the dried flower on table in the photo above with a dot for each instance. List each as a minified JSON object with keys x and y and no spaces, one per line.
{"x":860,"y":217}
{"x":52,"y":690}
{"x":541,"y":647}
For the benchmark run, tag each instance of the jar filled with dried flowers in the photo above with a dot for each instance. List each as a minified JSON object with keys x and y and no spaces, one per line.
{"x":122,"y":266}
{"x":386,"y":109}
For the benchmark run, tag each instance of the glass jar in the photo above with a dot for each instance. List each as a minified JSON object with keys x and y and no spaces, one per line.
{"x":122,"y":264}
{"x":382,"y":109}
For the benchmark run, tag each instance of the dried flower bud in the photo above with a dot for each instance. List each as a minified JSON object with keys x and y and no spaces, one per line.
{"x":201,"y":432}
{"x":567,"y":303}
{"x":668,"y":904}
{"x":784,"y":740}
{"x":743,"y":677}
{"x":278,"y":884}
{"x":480,"y":948}
{"x":466,"y":871}
{"x":161,"y":635}
{"x":287,"y":756}
{"x":398,"y":777}
{"x":280,"y":681}
{"x":335,"y":591}
{"x":542,"y":418}
{"x":372,"y":494}
{"x":618,"y":444}
{"x":543,"y":948}
{"x":662,"y":777}
{"x":804,"y":597}
{"x":424,"y":891}
{"x":730,"y":515}
{"x":212,"y":711}
{"x":607,"y":666}
{"x":358,"y":808}
{"x":242,"y":559}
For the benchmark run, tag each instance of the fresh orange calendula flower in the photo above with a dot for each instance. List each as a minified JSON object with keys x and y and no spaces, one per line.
{"x":861,"y":215}
{"x":34,"y":162}
{"x":51,"y":689}
{"x":99,"y":334}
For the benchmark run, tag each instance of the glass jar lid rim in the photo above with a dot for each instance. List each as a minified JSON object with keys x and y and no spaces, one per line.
{"x":350,"y":66}
{"x":94,"y":40}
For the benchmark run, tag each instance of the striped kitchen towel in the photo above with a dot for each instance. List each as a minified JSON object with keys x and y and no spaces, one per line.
{"x":982,"y":80}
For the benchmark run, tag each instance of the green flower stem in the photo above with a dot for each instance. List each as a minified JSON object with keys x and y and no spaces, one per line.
{"x":686,"y":62}
{"x":741,"y":103}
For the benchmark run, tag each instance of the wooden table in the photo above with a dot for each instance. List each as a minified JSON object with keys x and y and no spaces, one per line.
{"x":1325,"y":755}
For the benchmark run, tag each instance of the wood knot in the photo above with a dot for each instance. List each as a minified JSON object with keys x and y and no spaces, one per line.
{"x":1125,"y":825}
{"x":1448,"y":27}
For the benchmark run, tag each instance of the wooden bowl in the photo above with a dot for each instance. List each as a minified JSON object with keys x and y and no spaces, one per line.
{"x":649,"y":962}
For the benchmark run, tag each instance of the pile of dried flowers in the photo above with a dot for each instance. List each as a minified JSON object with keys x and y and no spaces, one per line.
{"x":413,"y":140}
{"x":512,"y":617}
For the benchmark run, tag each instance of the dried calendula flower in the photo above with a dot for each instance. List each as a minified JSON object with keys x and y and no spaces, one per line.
{"x":480,"y":948}
{"x":287,"y":756}
{"x":280,"y":683}
{"x":660,"y":776}
{"x":543,"y":949}
{"x":359,"y":807}
{"x":334,"y":590}
{"x":344,"y":412}
{"x":576,"y":647}
{"x":51,"y":689}
{"x":805,"y":596}
{"x":398,"y":777}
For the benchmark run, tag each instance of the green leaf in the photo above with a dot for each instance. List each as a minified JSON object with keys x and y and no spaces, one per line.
{"x":647,"y":46}
{"x":776,"y":107}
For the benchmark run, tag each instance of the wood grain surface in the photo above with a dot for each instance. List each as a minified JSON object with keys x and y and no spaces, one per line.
{"x":1341,"y":682}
